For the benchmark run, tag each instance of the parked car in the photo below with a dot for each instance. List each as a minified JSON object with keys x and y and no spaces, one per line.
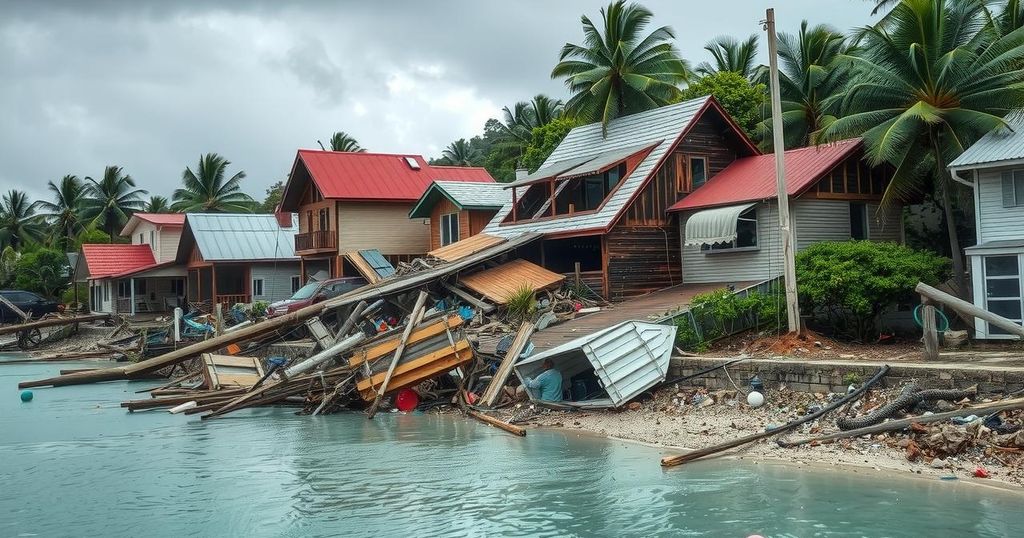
{"x":315,"y":292}
{"x":30,"y":303}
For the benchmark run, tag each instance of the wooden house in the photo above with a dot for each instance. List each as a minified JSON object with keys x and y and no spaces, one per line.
{"x":458,"y":209}
{"x":239,"y":257}
{"x":994,"y":168}
{"x":349,"y":202}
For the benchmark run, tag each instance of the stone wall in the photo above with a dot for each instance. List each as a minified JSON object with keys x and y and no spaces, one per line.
{"x":835,"y":376}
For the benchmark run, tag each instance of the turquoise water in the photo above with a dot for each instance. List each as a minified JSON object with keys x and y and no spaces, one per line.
{"x":72,"y":463}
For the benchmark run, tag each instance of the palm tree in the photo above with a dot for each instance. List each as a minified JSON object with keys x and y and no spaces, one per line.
{"x":111,"y":200}
{"x":206,"y":190}
{"x":928,"y":84}
{"x":729,"y":54}
{"x":157,"y":204}
{"x":813,"y":70}
{"x":341,"y":141}
{"x":620,"y":72}
{"x":19,"y":223}
{"x":64,"y":213}
{"x":460,"y":153}
{"x":516,"y":131}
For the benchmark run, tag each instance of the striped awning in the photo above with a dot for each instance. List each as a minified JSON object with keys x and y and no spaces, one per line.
{"x":716,"y":225}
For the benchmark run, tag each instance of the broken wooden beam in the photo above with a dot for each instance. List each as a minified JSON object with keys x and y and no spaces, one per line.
{"x":484,"y":307}
{"x":497,"y":423}
{"x":50,"y":322}
{"x":501,"y":376}
{"x":969,"y":309}
{"x":414,"y":319}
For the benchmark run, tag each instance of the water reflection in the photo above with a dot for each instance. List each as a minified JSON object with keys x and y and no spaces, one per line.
{"x":71,"y":468}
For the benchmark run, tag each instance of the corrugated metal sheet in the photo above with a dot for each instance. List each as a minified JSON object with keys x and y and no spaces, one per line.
{"x":665,"y":123}
{"x":999,"y":145}
{"x":371,"y":264}
{"x":628,"y":358}
{"x":466,"y":247}
{"x":241,"y":236}
{"x":104,"y":260}
{"x":753,"y":178}
{"x":464,"y":194}
{"x":378,"y":176}
{"x":498,"y":283}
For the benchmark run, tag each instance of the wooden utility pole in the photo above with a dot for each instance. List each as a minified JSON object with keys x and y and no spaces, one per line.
{"x":788,"y":256}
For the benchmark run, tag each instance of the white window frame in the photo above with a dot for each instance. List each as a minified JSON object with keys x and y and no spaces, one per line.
{"x":722,"y":248}
{"x":296,"y":282}
{"x":1016,"y":179}
{"x":1019,"y":277}
{"x":258,"y":283}
{"x":446,"y":228}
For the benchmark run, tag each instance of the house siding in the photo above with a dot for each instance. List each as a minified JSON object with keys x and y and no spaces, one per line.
{"x":995,"y":222}
{"x":885,"y":223}
{"x":814,"y":220}
{"x":277,"y":280}
{"x":167,"y":242}
{"x":383,"y":226}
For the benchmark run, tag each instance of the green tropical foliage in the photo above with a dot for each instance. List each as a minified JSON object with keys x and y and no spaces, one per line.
{"x":44,"y":271}
{"x":341,"y":141}
{"x":813,"y":70}
{"x":460,"y":153}
{"x":931,"y":78}
{"x":273,"y":197}
{"x":157,"y":204}
{"x":206,"y":191}
{"x":111,"y":200}
{"x":745,"y":101}
{"x":617,"y":70}
{"x":544,"y":140}
{"x":8,"y":264}
{"x":19,"y":223}
{"x":65,"y":213}
{"x":732,"y":55}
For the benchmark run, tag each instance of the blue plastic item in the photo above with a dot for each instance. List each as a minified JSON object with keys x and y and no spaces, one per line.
{"x":26,"y":396}
{"x":277,"y":361}
{"x":466,"y":312}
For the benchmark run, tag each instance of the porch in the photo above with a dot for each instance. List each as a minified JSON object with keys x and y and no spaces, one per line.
{"x":318,"y":241}
{"x":159,"y":290}
{"x":225,"y":284}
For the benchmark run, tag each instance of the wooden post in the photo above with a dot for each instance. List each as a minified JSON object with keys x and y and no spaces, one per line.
{"x":218,"y":316}
{"x":177,"y":324}
{"x":515,"y":202}
{"x":131,"y":295}
{"x":490,"y":395}
{"x":969,"y":309}
{"x":576,"y":270}
{"x":486,"y":419}
{"x":778,"y":144}
{"x":17,"y":311}
{"x":414,"y":318}
{"x":931,"y":334}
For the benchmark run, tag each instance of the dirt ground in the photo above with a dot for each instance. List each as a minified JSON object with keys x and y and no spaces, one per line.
{"x":689,"y":418}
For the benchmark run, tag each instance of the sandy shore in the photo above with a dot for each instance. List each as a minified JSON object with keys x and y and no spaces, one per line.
{"x":663,"y":423}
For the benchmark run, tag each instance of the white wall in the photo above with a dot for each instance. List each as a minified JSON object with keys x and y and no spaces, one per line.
{"x":277,"y":283}
{"x":164,"y":241}
{"x":995,"y":222}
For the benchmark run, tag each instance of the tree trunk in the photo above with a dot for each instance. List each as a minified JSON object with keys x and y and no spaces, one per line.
{"x":955,"y":253}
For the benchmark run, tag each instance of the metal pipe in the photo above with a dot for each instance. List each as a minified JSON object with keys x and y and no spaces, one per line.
{"x":325,"y":355}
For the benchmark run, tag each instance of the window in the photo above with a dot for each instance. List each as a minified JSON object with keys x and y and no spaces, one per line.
{"x":324,"y":219}
{"x":449,"y":228}
{"x":1013,"y":188}
{"x":698,"y":171}
{"x":124,"y":288}
{"x":257,"y":287}
{"x":296,"y":283}
{"x":1003,"y":289}
{"x":746,"y":233}
{"x":152,"y":239}
{"x":106,"y":291}
{"x":141,"y":241}
{"x":178,"y":287}
{"x":309,"y":221}
{"x":858,"y":221}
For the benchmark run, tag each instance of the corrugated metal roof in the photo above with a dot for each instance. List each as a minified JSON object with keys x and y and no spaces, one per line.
{"x":753,"y":178}
{"x":548,"y":171}
{"x":999,"y":145}
{"x":241,"y":236}
{"x":105,"y":260}
{"x":464,"y":194}
{"x":665,"y":123}
{"x":378,"y":176}
{"x":628,"y":358}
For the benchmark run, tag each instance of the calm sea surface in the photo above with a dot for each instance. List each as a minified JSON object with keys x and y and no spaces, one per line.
{"x":72,"y":463}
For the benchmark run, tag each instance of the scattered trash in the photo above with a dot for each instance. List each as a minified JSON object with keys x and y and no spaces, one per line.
{"x":755,"y":399}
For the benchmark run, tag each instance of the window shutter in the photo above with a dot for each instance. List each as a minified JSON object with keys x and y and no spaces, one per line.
{"x":1009,"y":200}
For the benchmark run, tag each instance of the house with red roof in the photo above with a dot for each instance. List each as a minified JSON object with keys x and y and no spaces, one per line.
{"x":729,"y":227}
{"x":126,"y":279}
{"x":347,"y":202}
{"x":161,"y":231}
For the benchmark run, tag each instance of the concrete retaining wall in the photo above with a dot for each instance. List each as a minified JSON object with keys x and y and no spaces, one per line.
{"x":832,"y":376}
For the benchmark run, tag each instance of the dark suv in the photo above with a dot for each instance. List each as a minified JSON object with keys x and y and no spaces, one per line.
{"x":28,"y":302}
{"x":315,"y":292}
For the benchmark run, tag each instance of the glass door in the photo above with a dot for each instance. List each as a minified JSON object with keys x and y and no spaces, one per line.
{"x":1003,"y":289}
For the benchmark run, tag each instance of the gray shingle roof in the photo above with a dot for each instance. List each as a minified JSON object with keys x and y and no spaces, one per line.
{"x":465,"y":194}
{"x":239,"y":236}
{"x":999,"y":145}
{"x":642,"y":129}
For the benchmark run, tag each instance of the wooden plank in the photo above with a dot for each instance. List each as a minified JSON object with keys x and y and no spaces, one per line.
{"x":414,"y":319}
{"x":484,"y":307}
{"x":421,"y":333}
{"x":320,"y":333}
{"x":50,"y":322}
{"x":511,"y":428}
{"x":364,"y":268}
{"x":466,"y":247}
{"x":439,"y":363}
{"x":499,"y":283}
{"x":501,"y":376}
{"x":418,"y":362}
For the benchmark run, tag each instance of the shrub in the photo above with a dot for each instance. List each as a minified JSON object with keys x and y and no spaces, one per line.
{"x":259,"y":309}
{"x":722,"y":313}
{"x":521,"y":304}
{"x":44,"y":271}
{"x":848,"y":284}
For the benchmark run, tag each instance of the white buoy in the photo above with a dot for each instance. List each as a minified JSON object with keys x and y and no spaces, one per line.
{"x":183,"y":407}
{"x":755,"y":399}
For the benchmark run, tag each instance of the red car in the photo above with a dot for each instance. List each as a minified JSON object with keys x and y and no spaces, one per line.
{"x":315,"y":292}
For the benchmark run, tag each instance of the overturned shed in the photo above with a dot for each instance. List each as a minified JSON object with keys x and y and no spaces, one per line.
{"x":610,"y":367}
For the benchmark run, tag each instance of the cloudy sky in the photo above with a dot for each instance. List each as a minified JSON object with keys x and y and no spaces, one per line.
{"x":152,"y":85}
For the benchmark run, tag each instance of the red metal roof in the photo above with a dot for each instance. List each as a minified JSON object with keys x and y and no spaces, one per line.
{"x":105,"y":260}
{"x":379,"y":176}
{"x":162,"y":219}
{"x":753,"y":178}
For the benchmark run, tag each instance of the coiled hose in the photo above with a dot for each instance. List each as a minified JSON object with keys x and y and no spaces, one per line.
{"x":909,"y":397}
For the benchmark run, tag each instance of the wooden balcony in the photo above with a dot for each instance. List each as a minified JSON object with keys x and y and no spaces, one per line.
{"x":231,"y":300}
{"x":318,"y":241}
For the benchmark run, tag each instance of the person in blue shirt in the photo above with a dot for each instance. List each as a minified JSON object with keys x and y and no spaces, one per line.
{"x":548,"y":385}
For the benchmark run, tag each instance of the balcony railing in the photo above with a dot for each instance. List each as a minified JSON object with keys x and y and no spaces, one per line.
{"x":320,"y":239}
{"x":231,"y":300}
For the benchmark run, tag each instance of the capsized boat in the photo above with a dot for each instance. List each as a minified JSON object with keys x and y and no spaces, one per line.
{"x":610,"y":367}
